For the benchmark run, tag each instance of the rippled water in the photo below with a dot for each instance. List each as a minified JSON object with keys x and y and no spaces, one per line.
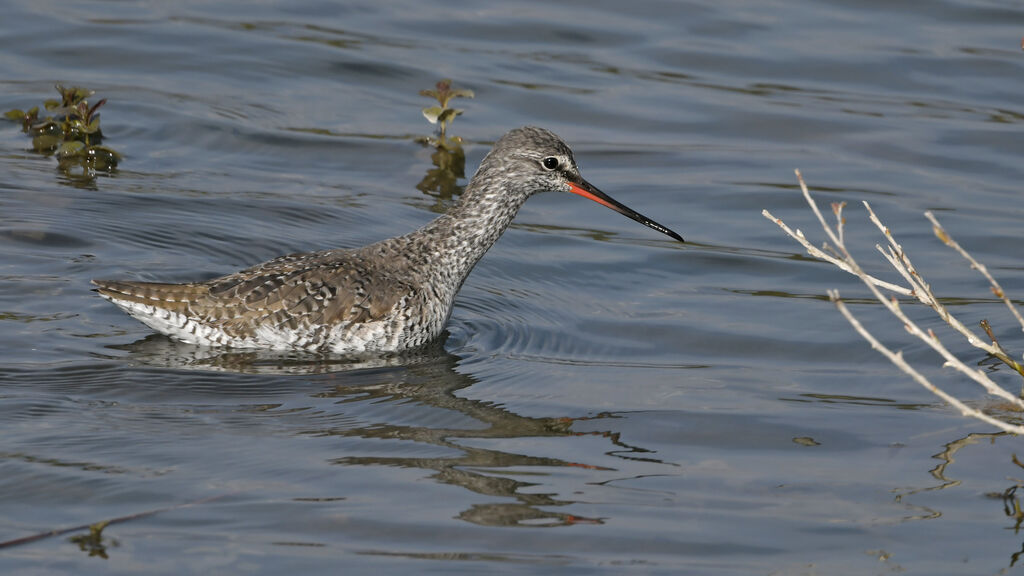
{"x":607,"y":399}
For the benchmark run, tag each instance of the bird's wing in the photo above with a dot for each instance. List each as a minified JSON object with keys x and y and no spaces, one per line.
{"x":295,"y":292}
{"x":300,"y":295}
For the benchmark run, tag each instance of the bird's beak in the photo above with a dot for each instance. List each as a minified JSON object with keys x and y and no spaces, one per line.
{"x":587,"y":190}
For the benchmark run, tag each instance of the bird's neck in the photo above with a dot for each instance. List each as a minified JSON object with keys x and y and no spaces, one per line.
{"x":456,"y":240}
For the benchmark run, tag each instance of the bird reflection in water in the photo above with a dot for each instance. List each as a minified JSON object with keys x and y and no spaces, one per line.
{"x":429,"y":379}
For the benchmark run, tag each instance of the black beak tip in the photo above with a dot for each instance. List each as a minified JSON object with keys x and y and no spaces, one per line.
{"x":671,"y":234}
{"x":652,"y":224}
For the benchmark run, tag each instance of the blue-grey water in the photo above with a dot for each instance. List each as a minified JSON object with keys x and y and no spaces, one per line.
{"x":607,"y":400}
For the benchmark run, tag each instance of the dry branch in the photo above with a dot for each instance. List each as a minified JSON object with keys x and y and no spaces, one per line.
{"x":918,"y":288}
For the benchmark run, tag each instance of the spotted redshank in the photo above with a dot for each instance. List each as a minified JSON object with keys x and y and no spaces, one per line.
{"x":389,"y":296}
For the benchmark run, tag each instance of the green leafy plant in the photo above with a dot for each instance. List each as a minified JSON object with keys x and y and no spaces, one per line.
{"x":71,"y":132}
{"x":94,"y":543}
{"x":449,"y":158}
{"x":442,"y":115}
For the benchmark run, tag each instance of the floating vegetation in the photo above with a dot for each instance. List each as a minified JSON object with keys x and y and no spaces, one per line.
{"x":71,"y":133}
{"x":449,"y":158}
{"x":94,"y":543}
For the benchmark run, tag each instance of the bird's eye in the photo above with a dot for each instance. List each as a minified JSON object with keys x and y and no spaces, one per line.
{"x":550,"y":163}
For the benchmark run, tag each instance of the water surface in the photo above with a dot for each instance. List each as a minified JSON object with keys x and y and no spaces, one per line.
{"x":606,"y":399}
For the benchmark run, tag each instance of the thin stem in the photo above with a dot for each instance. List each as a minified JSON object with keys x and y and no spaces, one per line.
{"x":897,"y":359}
{"x":948,"y":240}
{"x":922,"y":291}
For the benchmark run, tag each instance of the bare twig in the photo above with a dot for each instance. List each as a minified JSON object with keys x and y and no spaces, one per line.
{"x":897,"y":359}
{"x":820,"y":255}
{"x":921,"y":290}
{"x":901,"y":262}
{"x":948,"y":240}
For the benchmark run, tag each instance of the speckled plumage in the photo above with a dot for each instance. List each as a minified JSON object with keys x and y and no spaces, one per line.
{"x":392,"y":295}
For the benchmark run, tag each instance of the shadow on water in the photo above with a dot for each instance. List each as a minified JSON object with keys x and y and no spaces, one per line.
{"x":428,"y":379}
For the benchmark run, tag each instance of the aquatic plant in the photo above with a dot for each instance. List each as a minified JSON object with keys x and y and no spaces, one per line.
{"x":71,"y":132}
{"x":443,"y":115}
{"x":916,"y":287}
{"x":449,"y":158}
{"x":94,"y":542}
